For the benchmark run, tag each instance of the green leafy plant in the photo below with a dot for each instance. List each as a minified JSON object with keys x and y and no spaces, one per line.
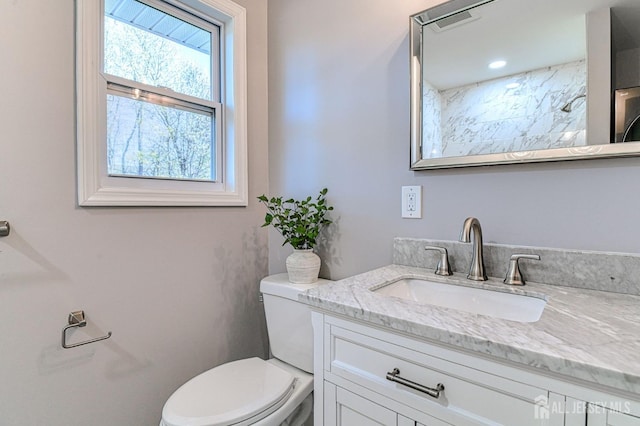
{"x":299,"y":221}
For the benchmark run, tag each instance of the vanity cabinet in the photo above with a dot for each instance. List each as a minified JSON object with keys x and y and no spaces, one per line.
{"x":367,"y":375}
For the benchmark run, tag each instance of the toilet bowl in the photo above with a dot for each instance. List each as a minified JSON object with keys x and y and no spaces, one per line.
{"x":253,"y":391}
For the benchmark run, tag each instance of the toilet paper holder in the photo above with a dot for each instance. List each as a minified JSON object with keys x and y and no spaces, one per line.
{"x":77,"y":319}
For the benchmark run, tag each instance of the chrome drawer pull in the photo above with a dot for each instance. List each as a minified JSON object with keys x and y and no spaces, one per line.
{"x":394,"y":376}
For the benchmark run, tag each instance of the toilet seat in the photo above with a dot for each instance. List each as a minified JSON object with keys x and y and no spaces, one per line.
{"x":237,"y":393}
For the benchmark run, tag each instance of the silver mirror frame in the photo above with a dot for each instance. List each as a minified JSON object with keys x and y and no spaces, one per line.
{"x":606,"y":150}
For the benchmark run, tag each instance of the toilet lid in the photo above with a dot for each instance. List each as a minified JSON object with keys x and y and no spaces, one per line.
{"x":229,"y":394}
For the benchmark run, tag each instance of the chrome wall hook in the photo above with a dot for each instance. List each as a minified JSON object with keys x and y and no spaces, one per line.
{"x":76,"y":319}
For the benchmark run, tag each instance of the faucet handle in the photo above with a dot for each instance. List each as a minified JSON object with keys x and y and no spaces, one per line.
{"x":443,"y":267}
{"x":514,"y":276}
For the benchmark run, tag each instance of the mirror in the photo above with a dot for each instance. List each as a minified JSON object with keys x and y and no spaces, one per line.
{"x":514,"y":81}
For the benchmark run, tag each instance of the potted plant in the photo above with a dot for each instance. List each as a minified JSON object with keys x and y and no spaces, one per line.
{"x":299,"y":222}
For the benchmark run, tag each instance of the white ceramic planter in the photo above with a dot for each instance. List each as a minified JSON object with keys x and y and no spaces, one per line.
{"x":303,"y":266}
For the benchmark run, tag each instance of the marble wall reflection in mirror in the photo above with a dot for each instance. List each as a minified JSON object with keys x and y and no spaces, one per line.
{"x":510,"y":81}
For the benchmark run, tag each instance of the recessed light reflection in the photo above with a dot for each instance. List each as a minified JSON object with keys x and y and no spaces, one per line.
{"x":512,"y":85}
{"x":497,"y":64}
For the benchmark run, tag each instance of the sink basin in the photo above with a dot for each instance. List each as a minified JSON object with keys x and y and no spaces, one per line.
{"x":509,"y":306}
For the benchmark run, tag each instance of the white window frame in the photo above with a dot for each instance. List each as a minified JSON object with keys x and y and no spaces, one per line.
{"x":95,"y":186}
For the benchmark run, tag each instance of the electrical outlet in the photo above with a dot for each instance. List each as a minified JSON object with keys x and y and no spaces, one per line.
{"x":412,"y":202}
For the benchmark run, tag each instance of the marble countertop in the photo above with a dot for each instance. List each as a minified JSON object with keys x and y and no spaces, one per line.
{"x":585,"y":334}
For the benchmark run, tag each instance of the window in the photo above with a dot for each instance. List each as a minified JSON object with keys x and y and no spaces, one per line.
{"x":161,"y":102}
{"x":163,"y":93}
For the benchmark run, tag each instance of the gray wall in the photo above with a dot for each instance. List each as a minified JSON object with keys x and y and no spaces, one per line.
{"x":178,"y":287}
{"x":339,"y":117}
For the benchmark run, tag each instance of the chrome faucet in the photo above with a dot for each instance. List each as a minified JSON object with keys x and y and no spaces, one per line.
{"x":476,"y":269}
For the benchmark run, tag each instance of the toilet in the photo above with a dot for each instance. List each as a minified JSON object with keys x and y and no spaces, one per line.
{"x":253,"y":391}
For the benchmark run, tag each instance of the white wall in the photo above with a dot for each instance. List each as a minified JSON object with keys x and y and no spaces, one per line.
{"x":598,"y":76}
{"x":339,"y":117}
{"x":178,"y":287}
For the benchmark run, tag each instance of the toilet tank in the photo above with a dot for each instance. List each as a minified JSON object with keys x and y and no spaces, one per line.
{"x":288,"y":321}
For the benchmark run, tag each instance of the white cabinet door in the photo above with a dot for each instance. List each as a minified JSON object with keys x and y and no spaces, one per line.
{"x":575,"y":413}
{"x":343,"y":408}
{"x":405,"y":421}
{"x":604,"y":417}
